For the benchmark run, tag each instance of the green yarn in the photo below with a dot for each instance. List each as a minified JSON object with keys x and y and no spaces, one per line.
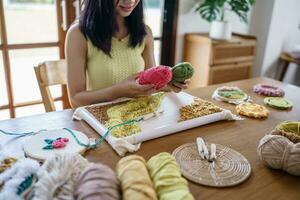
{"x":232,"y":94}
{"x":25,"y":185}
{"x":181,"y":72}
{"x":292,"y":127}
{"x":278,"y":102}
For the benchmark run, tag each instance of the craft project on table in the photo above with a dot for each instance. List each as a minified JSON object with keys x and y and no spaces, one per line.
{"x":157,"y":115}
{"x":233,"y":95}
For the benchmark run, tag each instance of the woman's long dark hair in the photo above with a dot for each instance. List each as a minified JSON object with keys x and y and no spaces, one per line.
{"x":98,"y":23}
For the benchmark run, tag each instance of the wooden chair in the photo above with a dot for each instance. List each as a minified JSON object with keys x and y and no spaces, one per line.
{"x":48,"y":74}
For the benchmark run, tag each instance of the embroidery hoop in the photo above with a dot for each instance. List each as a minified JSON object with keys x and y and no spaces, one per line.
{"x":218,"y":97}
{"x":33,"y":147}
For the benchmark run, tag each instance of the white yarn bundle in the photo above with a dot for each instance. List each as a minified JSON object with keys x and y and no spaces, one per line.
{"x":278,"y":152}
{"x":14,"y":176}
{"x":58,"y":177}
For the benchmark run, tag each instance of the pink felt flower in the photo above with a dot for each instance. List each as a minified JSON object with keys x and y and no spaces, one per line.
{"x":58,"y":144}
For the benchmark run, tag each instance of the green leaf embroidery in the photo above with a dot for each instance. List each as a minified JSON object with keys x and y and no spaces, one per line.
{"x":47,"y":147}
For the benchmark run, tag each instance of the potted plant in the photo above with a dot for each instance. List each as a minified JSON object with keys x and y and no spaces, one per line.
{"x":214,"y":11}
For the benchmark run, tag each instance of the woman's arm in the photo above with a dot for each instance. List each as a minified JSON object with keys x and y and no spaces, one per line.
{"x":148,"y":53}
{"x":76,"y":55}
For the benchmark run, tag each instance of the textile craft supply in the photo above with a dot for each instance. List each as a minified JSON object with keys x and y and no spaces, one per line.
{"x":7,"y":163}
{"x":181,"y":72}
{"x":56,"y":144}
{"x":252,"y":110}
{"x":198,"y":108}
{"x":278,"y":152}
{"x":288,"y":129}
{"x":278,"y":102}
{"x":78,"y":143}
{"x":268,"y":90}
{"x":233,"y":95}
{"x":58,"y":176}
{"x":135,"y":180}
{"x":165,"y":124}
{"x":129,"y":110}
{"x":167,"y":179}
{"x":231,"y":167}
{"x":17,"y":181}
{"x":97,"y":181}
{"x":158,"y":76}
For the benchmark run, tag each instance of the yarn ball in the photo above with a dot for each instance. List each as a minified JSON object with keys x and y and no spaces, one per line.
{"x":135,"y":180}
{"x":167,"y":179}
{"x":278,"y":152}
{"x":181,"y":72}
{"x":158,"y":76}
{"x":58,"y":177}
{"x":289,"y":129}
{"x":97,"y":181}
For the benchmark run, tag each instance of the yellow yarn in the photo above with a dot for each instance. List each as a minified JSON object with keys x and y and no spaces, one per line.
{"x":289,"y":129}
{"x":132,"y":110}
{"x":135,"y":181}
{"x":7,"y":163}
{"x":167,"y":179}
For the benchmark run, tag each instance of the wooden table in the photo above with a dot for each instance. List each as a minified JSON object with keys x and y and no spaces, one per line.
{"x":243,"y":136}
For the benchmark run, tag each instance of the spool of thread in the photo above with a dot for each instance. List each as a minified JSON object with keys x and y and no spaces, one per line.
{"x":98,"y":181}
{"x":167,"y":179}
{"x":135,"y":180}
{"x":181,"y":72}
{"x":158,"y":76}
{"x":278,"y":152}
{"x":58,"y":177}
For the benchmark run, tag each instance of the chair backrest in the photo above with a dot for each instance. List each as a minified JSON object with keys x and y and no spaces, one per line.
{"x":50,"y":73}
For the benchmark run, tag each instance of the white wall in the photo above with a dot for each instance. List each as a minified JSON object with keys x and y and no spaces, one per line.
{"x":274,"y":22}
{"x":189,"y":21}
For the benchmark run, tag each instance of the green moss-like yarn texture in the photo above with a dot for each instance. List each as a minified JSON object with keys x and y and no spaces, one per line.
{"x":181,"y":72}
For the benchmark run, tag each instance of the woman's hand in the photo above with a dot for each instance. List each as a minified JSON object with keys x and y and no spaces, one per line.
{"x":176,"y":87}
{"x":130,"y":88}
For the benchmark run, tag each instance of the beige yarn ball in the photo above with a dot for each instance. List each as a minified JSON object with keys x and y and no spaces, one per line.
{"x":278,"y":152}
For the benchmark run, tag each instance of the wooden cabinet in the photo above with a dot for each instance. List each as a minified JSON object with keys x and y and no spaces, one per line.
{"x":219,"y":61}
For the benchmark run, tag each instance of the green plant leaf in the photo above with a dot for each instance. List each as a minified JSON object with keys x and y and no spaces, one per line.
{"x":241,"y":8}
{"x":210,"y":9}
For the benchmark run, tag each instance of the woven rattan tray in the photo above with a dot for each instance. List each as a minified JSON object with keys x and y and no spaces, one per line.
{"x":231,"y":167}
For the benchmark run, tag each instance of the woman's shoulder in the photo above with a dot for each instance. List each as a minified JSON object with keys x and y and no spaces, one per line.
{"x":74,"y":32}
{"x":149,"y":35}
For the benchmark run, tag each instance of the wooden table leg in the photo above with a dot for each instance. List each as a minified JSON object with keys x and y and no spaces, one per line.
{"x":285,"y":67}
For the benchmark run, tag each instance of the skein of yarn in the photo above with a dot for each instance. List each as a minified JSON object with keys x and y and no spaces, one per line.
{"x":135,"y":181}
{"x":158,"y":76}
{"x":289,"y":129}
{"x":58,"y":177}
{"x":181,"y":72}
{"x":167,"y":179}
{"x":278,"y":151}
{"x":97,"y":181}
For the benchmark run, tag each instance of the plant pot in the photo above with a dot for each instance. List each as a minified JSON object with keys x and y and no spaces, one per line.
{"x":220,"y":30}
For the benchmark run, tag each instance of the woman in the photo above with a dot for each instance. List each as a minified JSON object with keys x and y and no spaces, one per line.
{"x":106,"y":50}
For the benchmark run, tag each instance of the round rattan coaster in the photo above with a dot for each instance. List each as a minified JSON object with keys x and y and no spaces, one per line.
{"x":231,"y":167}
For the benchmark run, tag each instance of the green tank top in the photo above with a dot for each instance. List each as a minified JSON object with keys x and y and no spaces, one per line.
{"x":104,"y":71}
